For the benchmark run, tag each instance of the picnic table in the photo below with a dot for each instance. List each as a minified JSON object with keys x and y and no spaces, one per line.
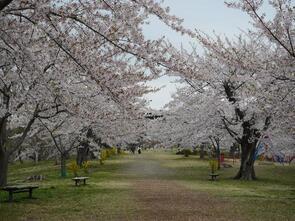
{"x":19,"y":189}
{"x":78,"y":180}
{"x":213,"y":176}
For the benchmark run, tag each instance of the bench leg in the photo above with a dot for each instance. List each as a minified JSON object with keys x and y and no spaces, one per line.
{"x":10,"y":197}
{"x":213,"y":178}
{"x":85,"y":182}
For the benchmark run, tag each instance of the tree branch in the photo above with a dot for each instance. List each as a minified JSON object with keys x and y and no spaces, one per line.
{"x":231,"y":132}
{"x":20,"y":141}
{"x":269,"y":30}
{"x":4,"y":3}
{"x":52,"y":136}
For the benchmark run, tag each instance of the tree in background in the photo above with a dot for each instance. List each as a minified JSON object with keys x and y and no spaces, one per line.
{"x":251,"y":78}
{"x":56,"y":53}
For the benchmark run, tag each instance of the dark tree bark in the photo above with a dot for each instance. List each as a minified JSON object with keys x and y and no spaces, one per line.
{"x":83,"y":151}
{"x":133,"y":149}
{"x":246,"y":171}
{"x":216,"y":145}
{"x":249,"y":138}
{"x":82,"y":154}
{"x":3,"y":152}
{"x":218,"y":154}
{"x":202,"y":152}
{"x":36,"y":157}
{"x":20,"y":157}
{"x":4,"y":3}
{"x":7,"y":147}
{"x":63,"y":165}
{"x":3,"y":168}
{"x":248,"y":143}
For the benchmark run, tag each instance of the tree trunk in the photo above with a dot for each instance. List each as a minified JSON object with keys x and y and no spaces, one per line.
{"x":20,"y":157}
{"x":4,"y":3}
{"x":218,"y":155}
{"x":36,"y":160}
{"x":63,"y":167}
{"x":216,"y":146}
{"x":82,"y":155}
{"x":202,"y":152}
{"x":3,"y":168}
{"x":3,"y":153}
{"x":247,"y":171}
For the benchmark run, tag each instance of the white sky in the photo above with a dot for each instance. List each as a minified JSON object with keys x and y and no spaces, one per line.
{"x":205,"y":15}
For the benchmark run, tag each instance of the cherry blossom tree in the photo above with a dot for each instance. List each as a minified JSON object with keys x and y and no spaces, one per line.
{"x":72,"y":56}
{"x":194,"y":118}
{"x":64,"y":135}
{"x":251,"y":77}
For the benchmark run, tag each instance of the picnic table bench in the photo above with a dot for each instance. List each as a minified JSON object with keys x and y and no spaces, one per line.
{"x":19,"y":189}
{"x":78,"y":180}
{"x":213,"y":176}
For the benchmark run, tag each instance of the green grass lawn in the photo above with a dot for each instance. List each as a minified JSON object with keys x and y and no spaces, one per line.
{"x":109,"y":195}
{"x":271,"y":197}
{"x":103,"y":198}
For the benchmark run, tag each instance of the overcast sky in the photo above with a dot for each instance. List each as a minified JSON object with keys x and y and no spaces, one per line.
{"x":205,"y":15}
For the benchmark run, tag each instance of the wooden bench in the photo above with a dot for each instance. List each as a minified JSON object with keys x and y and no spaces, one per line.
{"x":213,"y":176}
{"x":78,"y":180}
{"x":19,"y":189}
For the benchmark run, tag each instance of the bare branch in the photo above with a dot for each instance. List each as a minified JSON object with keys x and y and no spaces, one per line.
{"x":269,"y":30}
{"x":4,"y":3}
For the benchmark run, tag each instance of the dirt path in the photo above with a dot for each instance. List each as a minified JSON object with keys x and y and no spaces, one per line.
{"x":160,"y":198}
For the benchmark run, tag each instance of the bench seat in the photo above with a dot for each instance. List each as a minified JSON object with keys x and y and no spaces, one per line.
{"x":19,"y":189}
{"x":78,"y":180}
{"x":213,"y":176}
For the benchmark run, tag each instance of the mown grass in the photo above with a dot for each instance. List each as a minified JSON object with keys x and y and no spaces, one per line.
{"x":103,"y":198}
{"x":109,"y":194}
{"x":271,"y":197}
